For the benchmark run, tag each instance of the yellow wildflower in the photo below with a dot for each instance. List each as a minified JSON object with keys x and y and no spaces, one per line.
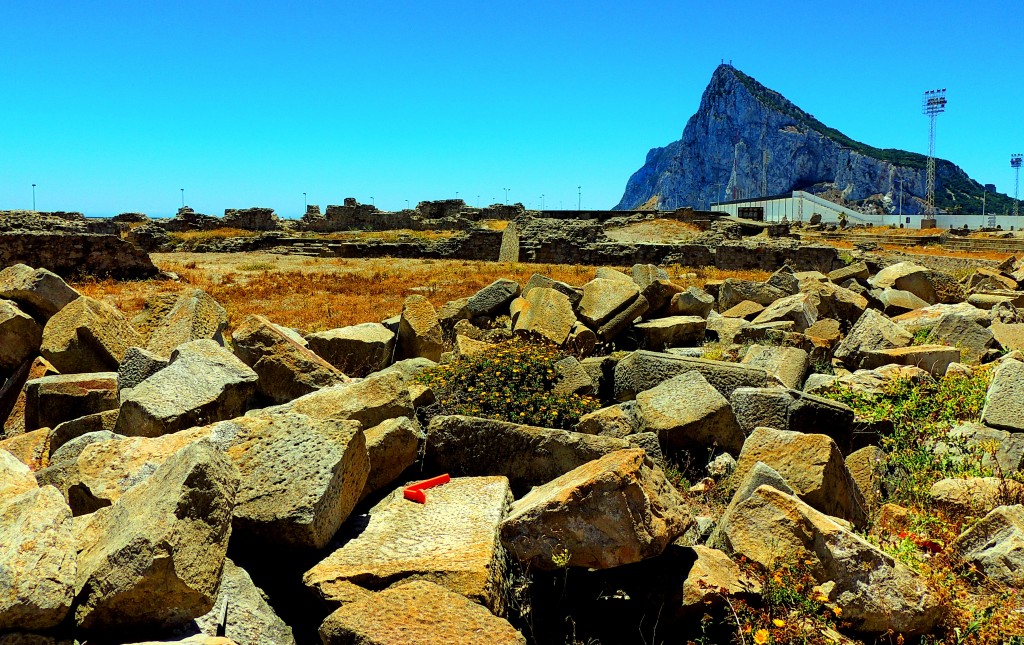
{"x":837,"y":610}
{"x":761,"y":636}
{"x":778,"y":622}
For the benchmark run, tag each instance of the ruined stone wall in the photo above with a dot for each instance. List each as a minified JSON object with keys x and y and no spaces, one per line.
{"x":252,"y":219}
{"x":75,"y":254}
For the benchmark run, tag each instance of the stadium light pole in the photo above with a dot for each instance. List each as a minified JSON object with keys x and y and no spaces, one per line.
{"x":579,"y":198}
{"x":305,"y":203}
{"x":33,"y":197}
{"x":506,"y":195}
{"x":407,"y":204}
{"x":542,"y":201}
{"x":372,"y":203}
{"x":183,"y":198}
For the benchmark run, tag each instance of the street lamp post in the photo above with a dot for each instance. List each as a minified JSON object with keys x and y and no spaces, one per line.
{"x":183,"y":198}
{"x":305,"y":203}
{"x":407,"y":204}
{"x":506,"y":196}
{"x":372,"y":203}
{"x":33,"y":197}
{"x":579,"y":198}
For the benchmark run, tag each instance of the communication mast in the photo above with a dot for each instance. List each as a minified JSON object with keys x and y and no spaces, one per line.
{"x":934,"y":104}
{"x":1015,"y":161}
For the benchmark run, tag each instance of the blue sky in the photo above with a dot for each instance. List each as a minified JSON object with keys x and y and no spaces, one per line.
{"x":114,"y":106}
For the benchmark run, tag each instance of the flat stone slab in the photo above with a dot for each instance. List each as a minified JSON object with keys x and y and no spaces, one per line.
{"x":417,"y":612}
{"x":451,"y":540}
{"x":1004,"y":402}
{"x":931,"y":358}
{"x":643,"y":370}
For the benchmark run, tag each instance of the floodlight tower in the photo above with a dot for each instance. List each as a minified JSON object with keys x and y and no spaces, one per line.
{"x":1015,"y":161}
{"x":934,"y":104}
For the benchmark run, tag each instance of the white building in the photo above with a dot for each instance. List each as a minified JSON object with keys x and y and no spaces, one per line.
{"x":800,"y":206}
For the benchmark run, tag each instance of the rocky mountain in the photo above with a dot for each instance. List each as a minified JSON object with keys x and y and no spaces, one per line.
{"x":741,"y":124}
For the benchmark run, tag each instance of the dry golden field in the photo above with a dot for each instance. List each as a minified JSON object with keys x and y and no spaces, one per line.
{"x":313,"y":294}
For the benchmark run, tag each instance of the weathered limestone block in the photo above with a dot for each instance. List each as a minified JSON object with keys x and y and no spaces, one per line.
{"x":603,"y":298}
{"x":615,"y":510}
{"x":974,"y":495}
{"x":154,"y":559}
{"x":967,"y":335}
{"x":357,"y":350}
{"x":70,"y":430}
{"x":712,"y":572}
{"x":907,"y":276}
{"x":37,"y":560}
{"x":692,"y":302}
{"x":528,"y":456}
{"x":20,"y":337}
{"x":996,"y":545}
{"x":865,"y":467}
{"x":643,"y":370}
{"x":52,"y":400}
{"x":812,"y":464}
{"x":138,"y":365}
{"x":286,"y":369}
{"x":419,"y":331}
{"x":673,"y":331}
{"x":800,"y":308}
{"x":934,"y":359}
{"x":872,"y":331}
{"x":1004,"y":401}
{"x":15,"y":477}
{"x":875,"y":592}
{"x":195,"y":316}
{"x":39,"y":292}
{"x":787,"y":364}
{"x":618,"y":420}
{"x":373,"y":400}
{"x":393,"y":446}
{"x":87,"y":335}
{"x":451,"y":540}
{"x":687,"y":412}
{"x":417,"y":612}
{"x":31,"y":448}
{"x":204,"y":383}
{"x":493,"y":300}
{"x":13,"y":396}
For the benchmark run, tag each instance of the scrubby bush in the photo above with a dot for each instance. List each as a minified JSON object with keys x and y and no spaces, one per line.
{"x":513,"y":382}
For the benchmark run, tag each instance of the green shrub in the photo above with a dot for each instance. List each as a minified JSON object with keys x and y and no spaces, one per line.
{"x":513,"y":382}
{"x":922,"y":414}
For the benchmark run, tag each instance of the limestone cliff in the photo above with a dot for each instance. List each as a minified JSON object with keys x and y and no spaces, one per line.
{"x":722,"y":152}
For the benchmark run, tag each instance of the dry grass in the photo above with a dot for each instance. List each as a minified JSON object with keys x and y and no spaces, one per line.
{"x":313,"y":294}
{"x":942,"y":252}
{"x":655,"y":230}
{"x":494,"y":224}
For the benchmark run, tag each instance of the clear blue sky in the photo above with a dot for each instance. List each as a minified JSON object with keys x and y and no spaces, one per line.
{"x":113,"y":106}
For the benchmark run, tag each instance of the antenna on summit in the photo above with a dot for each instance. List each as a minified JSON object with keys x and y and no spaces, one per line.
{"x":1015,"y":163}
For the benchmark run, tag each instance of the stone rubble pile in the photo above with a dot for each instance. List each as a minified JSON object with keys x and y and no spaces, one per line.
{"x":134,"y":466}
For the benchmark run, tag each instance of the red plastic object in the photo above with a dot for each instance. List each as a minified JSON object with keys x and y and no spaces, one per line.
{"x":415,"y":492}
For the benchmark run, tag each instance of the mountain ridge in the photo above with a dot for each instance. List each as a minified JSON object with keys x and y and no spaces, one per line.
{"x":739,"y":118}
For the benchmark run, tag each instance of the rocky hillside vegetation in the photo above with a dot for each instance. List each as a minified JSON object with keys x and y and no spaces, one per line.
{"x":815,"y":458}
{"x":739,"y":119}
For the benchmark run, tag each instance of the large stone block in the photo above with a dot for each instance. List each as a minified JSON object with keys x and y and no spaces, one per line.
{"x":547,"y":313}
{"x":451,"y":540}
{"x":527,"y":455}
{"x":195,"y":316}
{"x":873,"y":331}
{"x":203,"y":383}
{"x":493,"y":300}
{"x":612,"y":511}
{"x":673,"y":331}
{"x":1004,"y":401}
{"x":603,"y":298}
{"x":286,"y":369}
{"x":812,"y":464}
{"x":373,"y":400}
{"x":419,"y":330}
{"x":52,"y":400}
{"x":416,"y":612}
{"x":995,"y":545}
{"x":907,"y":276}
{"x":20,"y":337}
{"x":153,"y":561}
{"x":687,"y":412}
{"x":643,"y":370}
{"x":875,"y":592}
{"x":799,"y":308}
{"x":788,"y":365}
{"x":243,"y":609}
{"x":357,"y":350}
{"x":40,"y":292}
{"x":37,"y":560}
{"x":87,"y":335}
{"x":392,"y":446}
